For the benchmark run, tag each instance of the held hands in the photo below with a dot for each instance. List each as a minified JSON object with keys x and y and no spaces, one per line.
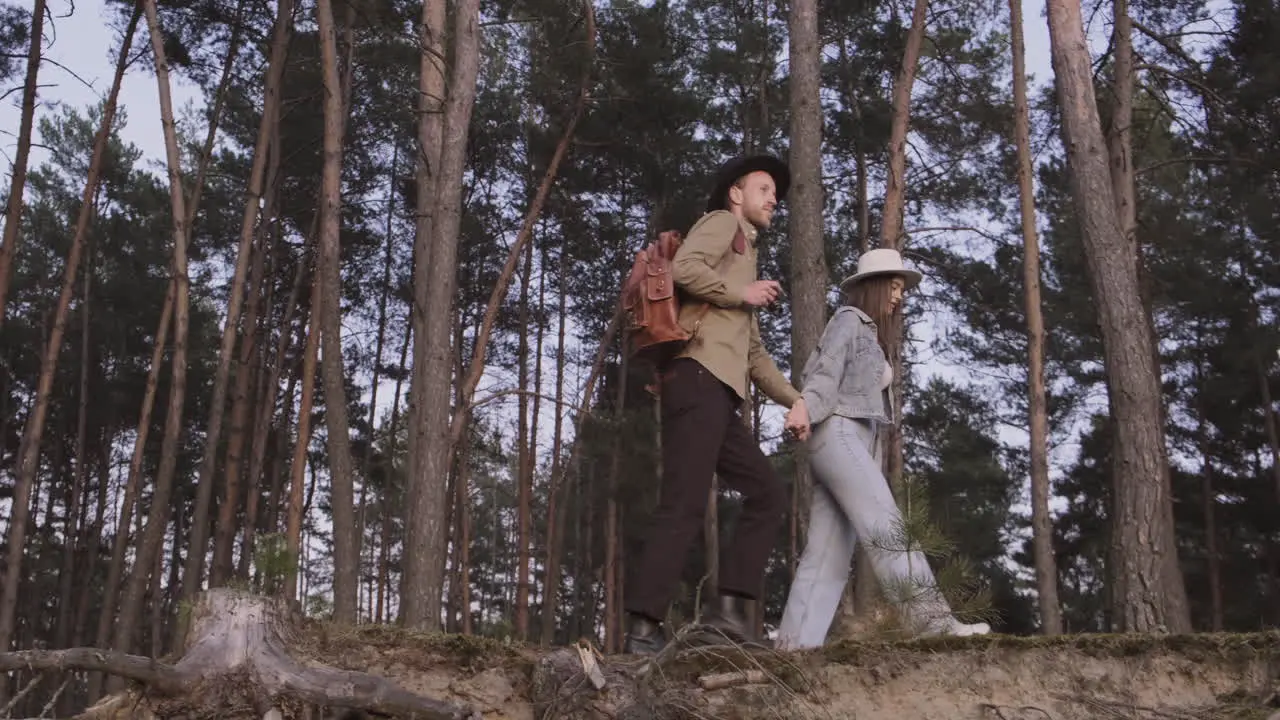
{"x":761,"y":293}
{"x":797,"y":421}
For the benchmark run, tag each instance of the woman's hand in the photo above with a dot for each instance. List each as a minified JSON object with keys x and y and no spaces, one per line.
{"x":797,"y":421}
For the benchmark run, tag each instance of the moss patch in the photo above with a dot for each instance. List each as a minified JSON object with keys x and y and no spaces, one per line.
{"x":353,"y":647}
{"x":1197,"y":647}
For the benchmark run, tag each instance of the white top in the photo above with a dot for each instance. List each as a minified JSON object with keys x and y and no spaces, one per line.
{"x":887,"y":378}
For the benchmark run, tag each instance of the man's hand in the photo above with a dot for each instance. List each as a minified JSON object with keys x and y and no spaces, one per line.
{"x":761,"y":293}
{"x":797,"y":421}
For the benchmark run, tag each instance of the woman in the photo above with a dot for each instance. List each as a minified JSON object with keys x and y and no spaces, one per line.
{"x":847,"y":403}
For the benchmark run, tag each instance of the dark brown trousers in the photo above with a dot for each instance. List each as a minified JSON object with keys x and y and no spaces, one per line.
{"x":703,"y":434}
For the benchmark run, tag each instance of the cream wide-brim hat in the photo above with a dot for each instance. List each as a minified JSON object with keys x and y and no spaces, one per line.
{"x":881,"y":261}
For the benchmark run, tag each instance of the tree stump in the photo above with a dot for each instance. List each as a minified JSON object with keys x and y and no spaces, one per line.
{"x":236,"y":662}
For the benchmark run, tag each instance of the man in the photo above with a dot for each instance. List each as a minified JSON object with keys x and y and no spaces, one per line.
{"x":702,"y":390}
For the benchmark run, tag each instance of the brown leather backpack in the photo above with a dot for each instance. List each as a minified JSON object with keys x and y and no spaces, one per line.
{"x":652,"y":301}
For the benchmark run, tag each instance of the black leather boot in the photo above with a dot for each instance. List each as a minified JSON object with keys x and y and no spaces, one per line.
{"x":644,"y":637}
{"x":728,"y":615}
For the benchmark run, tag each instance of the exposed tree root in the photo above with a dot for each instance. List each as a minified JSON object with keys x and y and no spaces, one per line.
{"x":236,"y":660}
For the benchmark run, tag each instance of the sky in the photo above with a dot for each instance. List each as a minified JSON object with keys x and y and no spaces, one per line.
{"x":79,"y":70}
{"x":80,"y":63}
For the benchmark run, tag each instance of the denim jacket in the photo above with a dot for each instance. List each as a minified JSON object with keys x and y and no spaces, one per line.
{"x":843,"y":374}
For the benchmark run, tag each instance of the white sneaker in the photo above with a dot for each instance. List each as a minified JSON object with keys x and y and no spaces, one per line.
{"x":965,"y":629}
{"x":951,"y":626}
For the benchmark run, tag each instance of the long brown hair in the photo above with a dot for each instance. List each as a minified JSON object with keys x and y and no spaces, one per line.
{"x":871,"y":296}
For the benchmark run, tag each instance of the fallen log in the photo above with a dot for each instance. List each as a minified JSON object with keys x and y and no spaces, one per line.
{"x":236,"y":659}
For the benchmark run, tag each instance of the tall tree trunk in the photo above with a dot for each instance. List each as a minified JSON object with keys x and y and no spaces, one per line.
{"x":1209,"y":504}
{"x":298,"y":468}
{"x":33,"y":432}
{"x":476,"y":368}
{"x":891,"y":224}
{"x":810,"y":277}
{"x":895,"y":185}
{"x":152,"y":539}
{"x":13,"y":212}
{"x":424,"y":520}
{"x":384,"y":544}
{"x":1041,"y":526}
{"x":1148,"y":592}
{"x":524,"y":491}
{"x":550,"y":579}
{"x":266,"y":411}
{"x":891,"y":236}
{"x":115,"y":569}
{"x":558,"y":502}
{"x":208,"y":464}
{"x":346,"y":543}
{"x":1120,"y":137}
{"x":73,"y":522}
{"x":254,"y":362}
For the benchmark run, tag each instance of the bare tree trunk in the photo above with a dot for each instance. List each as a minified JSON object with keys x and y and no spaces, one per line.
{"x":208,"y":464}
{"x":1041,"y":525}
{"x":524,"y":491}
{"x":266,"y":410}
{"x":1120,"y":137}
{"x":1209,"y":504}
{"x":895,"y":188}
{"x":810,"y":277}
{"x":298,"y":469}
{"x":891,"y":222}
{"x":18,"y":183}
{"x":254,"y":364}
{"x":106,"y":619}
{"x":383,"y":612}
{"x":557,"y":503}
{"x":33,"y":432}
{"x":476,"y":368}
{"x":550,"y":578}
{"x":72,"y":523}
{"x":1148,"y":592}
{"x":346,"y":543}
{"x":158,"y":518}
{"x":424,"y":505}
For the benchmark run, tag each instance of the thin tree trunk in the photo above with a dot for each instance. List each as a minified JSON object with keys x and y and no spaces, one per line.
{"x":1148,"y":592}
{"x":891,"y":223}
{"x":524,"y":491}
{"x":254,"y":364}
{"x":266,"y":410}
{"x":13,"y":212}
{"x":611,"y":509}
{"x":72,"y":525}
{"x":557,"y":505}
{"x":33,"y":432}
{"x":551,"y":575}
{"x":387,"y":263}
{"x":1209,"y":504}
{"x":106,"y":619}
{"x":476,"y":368}
{"x":809,"y":275}
{"x":208,"y":464}
{"x":383,"y":612}
{"x":346,"y":543}
{"x":298,"y":469}
{"x":895,"y":183}
{"x":1041,"y":525}
{"x":153,"y":536}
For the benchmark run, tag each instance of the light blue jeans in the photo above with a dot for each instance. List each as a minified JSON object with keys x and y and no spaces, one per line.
{"x":851,"y":503}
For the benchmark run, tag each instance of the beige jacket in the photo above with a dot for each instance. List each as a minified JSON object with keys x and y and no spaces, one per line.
{"x":727,"y":340}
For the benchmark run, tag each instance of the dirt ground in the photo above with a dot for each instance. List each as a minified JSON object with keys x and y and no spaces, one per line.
{"x":1196,"y":677}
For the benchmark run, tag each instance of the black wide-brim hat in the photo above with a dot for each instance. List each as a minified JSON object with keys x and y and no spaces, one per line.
{"x":729,"y":173}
